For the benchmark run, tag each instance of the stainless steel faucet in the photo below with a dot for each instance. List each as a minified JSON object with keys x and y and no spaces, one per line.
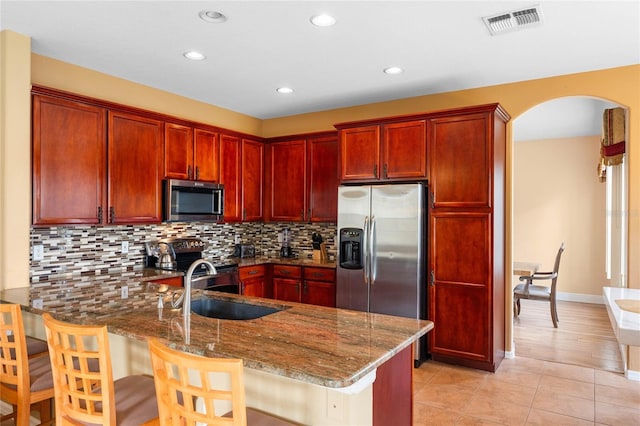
{"x":185,"y":298}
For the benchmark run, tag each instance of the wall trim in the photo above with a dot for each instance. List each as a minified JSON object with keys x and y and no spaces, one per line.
{"x":632,"y":375}
{"x":580,"y":298}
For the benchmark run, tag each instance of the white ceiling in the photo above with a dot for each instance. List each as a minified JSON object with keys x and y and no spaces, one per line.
{"x":442,"y":45}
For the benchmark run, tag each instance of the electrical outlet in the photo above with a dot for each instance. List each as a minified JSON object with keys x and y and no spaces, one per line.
{"x":124,"y":292}
{"x":38,"y":252}
{"x":125,"y":247}
{"x":37,"y":304}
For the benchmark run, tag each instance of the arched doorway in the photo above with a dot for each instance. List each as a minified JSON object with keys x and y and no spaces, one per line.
{"x":557,"y":198}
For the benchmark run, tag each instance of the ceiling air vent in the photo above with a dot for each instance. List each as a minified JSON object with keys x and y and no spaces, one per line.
{"x":514,"y":20}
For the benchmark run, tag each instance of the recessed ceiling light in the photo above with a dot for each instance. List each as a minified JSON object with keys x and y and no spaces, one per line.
{"x":323,"y":20}
{"x":193,"y":55}
{"x":212,"y":16}
{"x":393,"y":70}
{"x":284,"y":90}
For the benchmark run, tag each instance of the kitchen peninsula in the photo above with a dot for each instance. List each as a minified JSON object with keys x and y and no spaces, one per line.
{"x":313,"y":365}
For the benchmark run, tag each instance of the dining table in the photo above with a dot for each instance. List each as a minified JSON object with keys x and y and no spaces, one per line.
{"x":525,"y":268}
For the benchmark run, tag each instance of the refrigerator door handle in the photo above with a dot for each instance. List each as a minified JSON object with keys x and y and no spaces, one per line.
{"x":372,"y":251}
{"x":365,"y":251}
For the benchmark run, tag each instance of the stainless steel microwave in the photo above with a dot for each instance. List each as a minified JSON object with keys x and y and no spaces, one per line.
{"x":192,"y":201}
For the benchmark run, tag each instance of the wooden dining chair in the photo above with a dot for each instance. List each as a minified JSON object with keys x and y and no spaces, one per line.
{"x":183,"y":402}
{"x":24,"y":381}
{"x":85,"y":392}
{"x":527,"y":290}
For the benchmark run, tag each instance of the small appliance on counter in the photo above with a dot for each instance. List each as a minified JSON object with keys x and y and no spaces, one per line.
{"x":166,"y":256}
{"x":244,"y":251}
{"x":184,"y":251}
{"x":285,"y":250}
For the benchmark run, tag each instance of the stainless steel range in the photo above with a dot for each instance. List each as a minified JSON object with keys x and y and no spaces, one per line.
{"x":179,"y":253}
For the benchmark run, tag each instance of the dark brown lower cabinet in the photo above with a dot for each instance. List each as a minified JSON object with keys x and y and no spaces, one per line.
{"x":319,"y":286}
{"x":253,"y":281}
{"x":393,"y":391}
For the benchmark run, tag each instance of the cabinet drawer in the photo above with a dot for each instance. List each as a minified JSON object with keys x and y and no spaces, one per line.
{"x":287,"y":271}
{"x":320,"y":274}
{"x":247,"y":272}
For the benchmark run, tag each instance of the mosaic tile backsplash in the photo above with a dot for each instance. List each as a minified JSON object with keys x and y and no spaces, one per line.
{"x":95,"y":251}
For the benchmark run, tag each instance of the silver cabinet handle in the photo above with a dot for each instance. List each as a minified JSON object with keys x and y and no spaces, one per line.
{"x":372,"y":251}
{"x":365,"y":251}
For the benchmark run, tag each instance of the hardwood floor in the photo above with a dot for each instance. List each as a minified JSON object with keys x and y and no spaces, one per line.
{"x":584,"y":335}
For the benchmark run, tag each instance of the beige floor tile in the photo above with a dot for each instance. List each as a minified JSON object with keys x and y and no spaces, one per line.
{"x":429,"y":415}
{"x":495,"y":410}
{"x":507,"y":392}
{"x":618,"y":396}
{"x":461,"y":376}
{"x":615,"y":380}
{"x":451,"y":397}
{"x":560,"y":403}
{"x":517,"y":376}
{"x":474,"y":421}
{"x":567,"y":371}
{"x":567,"y":386}
{"x":545,"y":418}
{"x":521,"y":363}
{"x":609,"y":414}
{"x":426,"y":371}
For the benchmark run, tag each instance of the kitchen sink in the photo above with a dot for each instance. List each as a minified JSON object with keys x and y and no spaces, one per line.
{"x":224,"y":309}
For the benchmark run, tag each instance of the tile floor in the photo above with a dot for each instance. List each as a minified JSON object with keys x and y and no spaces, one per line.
{"x":523,"y":391}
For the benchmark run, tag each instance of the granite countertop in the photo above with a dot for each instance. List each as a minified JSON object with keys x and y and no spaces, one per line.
{"x":325,"y":346}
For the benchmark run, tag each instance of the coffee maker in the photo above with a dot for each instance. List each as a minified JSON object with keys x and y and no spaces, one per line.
{"x":285,"y":250}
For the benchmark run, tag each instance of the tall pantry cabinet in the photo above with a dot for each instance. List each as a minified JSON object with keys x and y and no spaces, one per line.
{"x":466,"y":235}
{"x":461,"y":155}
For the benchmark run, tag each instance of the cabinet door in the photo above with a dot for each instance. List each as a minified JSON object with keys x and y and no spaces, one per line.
{"x":323,"y":179}
{"x":404,"y":151}
{"x":205,"y":153}
{"x":69,"y":162}
{"x":252,"y":180}
{"x":286,"y":289}
{"x":253,"y":287}
{"x":135,"y":160}
{"x":287,"y":180}
{"x":178,"y":151}
{"x":230,"y":177}
{"x":360,"y":153}
{"x":319,"y":293}
{"x":253,"y":280}
{"x":460,"y":287}
{"x":460,"y":161}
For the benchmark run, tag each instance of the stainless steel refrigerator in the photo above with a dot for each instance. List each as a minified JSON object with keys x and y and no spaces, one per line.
{"x":382,"y":251}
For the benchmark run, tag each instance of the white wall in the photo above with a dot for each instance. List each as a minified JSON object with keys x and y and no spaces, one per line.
{"x":557,"y":197}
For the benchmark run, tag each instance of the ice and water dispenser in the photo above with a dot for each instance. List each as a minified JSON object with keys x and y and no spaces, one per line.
{"x":351,"y":248}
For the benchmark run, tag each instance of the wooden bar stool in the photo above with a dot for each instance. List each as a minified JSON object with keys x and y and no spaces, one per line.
{"x":179,"y":397}
{"x":24,"y":381}
{"x":85,"y":392}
